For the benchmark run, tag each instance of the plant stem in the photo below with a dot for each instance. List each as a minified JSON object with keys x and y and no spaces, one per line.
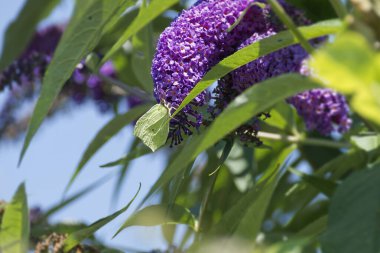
{"x":339,"y":8}
{"x":132,"y":91}
{"x":204,"y":204}
{"x":303,"y":141}
{"x":288,"y":22}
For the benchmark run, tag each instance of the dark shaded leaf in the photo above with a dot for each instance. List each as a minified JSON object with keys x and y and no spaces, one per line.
{"x":325,"y":186}
{"x":353,"y":223}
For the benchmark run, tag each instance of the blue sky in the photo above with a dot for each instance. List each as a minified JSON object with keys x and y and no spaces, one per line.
{"x":56,"y":150}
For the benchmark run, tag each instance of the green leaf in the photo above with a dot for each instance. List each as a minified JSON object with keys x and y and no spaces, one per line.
{"x":78,"y":236}
{"x":155,"y":8}
{"x":153,"y":127}
{"x":122,"y":173}
{"x":113,"y":127}
{"x":291,"y":246}
{"x":15,"y":227}
{"x":21,"y":30}
{"x":353,"y":223}
{"x":336,"y":66}
{"x":225,"y":153}
{"x":288,"y":22}
{"x":336,"y":63}
{"x":314,"y":228}
{"x":316,"y":10}
{"x":302,"y":193}
{"x":254,"y":100}
{"x":160,"y":215}
{"x":256,"y":50}
{"x":80,"y":37}
{"x":74,"y":197}
{"x":325,"y":186}
{"x":138,"y":152}
{"x":242,"y":167}
{"x":142,"y":54}
{"x":246,"y":217}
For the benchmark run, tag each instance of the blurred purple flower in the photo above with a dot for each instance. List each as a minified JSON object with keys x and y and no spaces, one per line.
{"x":35,"y":214}
{"x":29,"y":69}
{"x":33,"y":62}
{"x":323,"y":110}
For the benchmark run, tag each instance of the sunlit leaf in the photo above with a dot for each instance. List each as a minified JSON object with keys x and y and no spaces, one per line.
{"x":15,"y":227}
{"x":21,"y":30}
{"x":336,"y":66}
{"x":78,"y":236}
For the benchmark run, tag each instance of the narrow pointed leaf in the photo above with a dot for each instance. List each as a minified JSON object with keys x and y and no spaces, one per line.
{"x":21,"y":30}
{"x":325,"y":186}
{"x":135,"y":153}
{"x":113,"y":127}
{"x":15,"y":226}
{"x":258,"y":200}
{"x":80,"y":37}
{"x":160,"y":215}
{"x":74,"y":197}
{"x":78,"y":236}
{"x":142,"y":54}
{"x":155,"y":8}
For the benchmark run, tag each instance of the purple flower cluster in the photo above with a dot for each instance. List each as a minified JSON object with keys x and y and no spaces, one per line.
{"x":198,"y":39}
{"x":195,"y":42}
{"x":323,"y":110}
